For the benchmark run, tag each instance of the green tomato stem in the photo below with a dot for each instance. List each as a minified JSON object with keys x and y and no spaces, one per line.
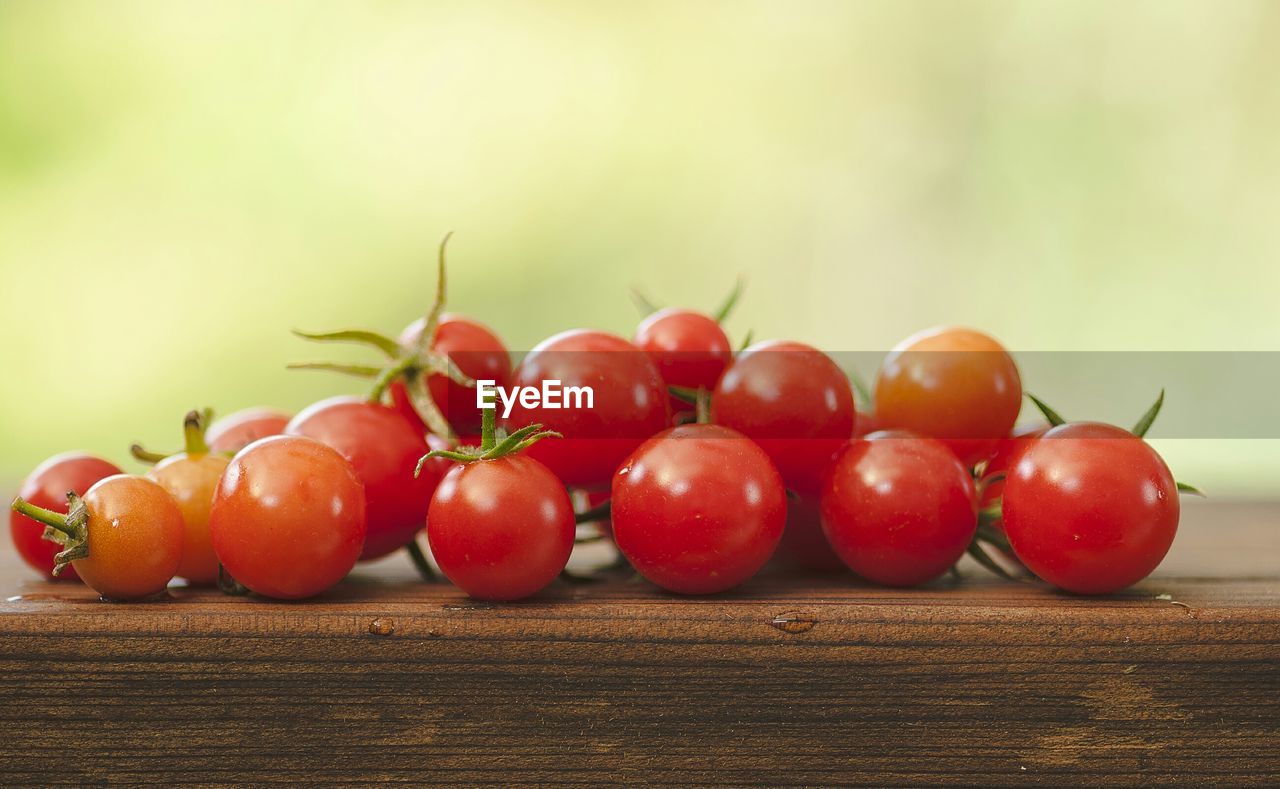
{"x":193,"y":427}
{"x":144,"y":455}
{"x":420,"y":561}
{"x":54,"y":520}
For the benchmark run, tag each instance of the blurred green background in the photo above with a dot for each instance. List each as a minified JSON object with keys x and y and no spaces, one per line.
{"x":182,"y":182}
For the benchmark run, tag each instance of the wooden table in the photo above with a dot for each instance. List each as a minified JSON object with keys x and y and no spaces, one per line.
{"x":788,"y":680}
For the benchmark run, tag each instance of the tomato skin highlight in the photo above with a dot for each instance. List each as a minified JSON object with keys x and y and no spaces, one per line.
{"x":47,"y":486}
{"x":954,"y":384}
{"x":501,"y":529}
{"x":899,"y":509}
{"x":288,"y":517}
{"x":478,"y":353}
{"x":1090,"y":508}
{"x":630,"y":404}
{"x":135,"y":536}
{"x":792,"y":400}
{"x":239,"y":429}
{"x":382,"y":448}
{"x":688,"y":348}
{"x":191,"y":480}
{"x":698,"y":509}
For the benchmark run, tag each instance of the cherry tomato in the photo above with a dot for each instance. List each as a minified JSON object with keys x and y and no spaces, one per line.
{"x":501,"y":529}
{"x":793,"y":401}
{"x":804,"y":545}
{"x":288,"y":518}
{"x":125,"y":536}
{"x":1090,"y":508}
{"x":698,"y":509}
{"x":688,"y":348}
{"x":237,"y":430}
{"x":191,"y":481}
{"x":383,"y":448}
{"x":899,"y":509}
{"x":478,"y":353}
{"x":1002,"y":459}
{"x":957,"y":385}
{"x":630,"y":404}
{"x":47,"y":486}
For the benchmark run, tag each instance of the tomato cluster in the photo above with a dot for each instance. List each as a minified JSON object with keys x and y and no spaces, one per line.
{"x":698,"y":463}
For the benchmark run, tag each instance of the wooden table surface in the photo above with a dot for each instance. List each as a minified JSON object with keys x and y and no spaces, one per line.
{"x":787,"y":680}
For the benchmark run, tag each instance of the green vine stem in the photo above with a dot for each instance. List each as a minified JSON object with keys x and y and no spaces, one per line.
{"x":597,"y":513}
{"x":412,"y":365}
{"x":420,"y":562}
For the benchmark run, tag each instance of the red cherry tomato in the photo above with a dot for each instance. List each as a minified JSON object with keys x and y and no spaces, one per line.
{"x":956,"y":385}
{"x":501,"y":529}
{"x":899,"y":509}
{"x":1002,"y":460}
{"x":288,"y":517}
{"x":1090,"y":508}
{"x":688,"y":348}
{"x":793,"y":401}
{"x":47,"y":486}
{"x":478,"y":353}
{"x":237,"y":430}
{"x":630,"y":404}
{"x":804,"y":545}
{"x":191,"y":480}
{"x":383,"y":448}
{"x":698,"y":509}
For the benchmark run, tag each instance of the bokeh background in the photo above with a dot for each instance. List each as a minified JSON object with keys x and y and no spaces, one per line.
{"x":182,"y":182}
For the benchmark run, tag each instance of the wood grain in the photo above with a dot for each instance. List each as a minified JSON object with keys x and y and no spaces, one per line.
{"x":786,"y":681}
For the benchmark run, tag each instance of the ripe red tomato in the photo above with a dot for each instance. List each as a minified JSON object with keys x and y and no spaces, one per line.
{"x":1090,"y":508}
{"x":382,"y":448}
{"x":191,"y":479}
{"x":47,"y":486}
{"x":501,"y":529}
{"x":237,"y":430}
{"x":688,"y":348}
{"x":899,"y":509}
{"x":793,"y":401}
{"x":804,"y":545}
{"x":956,"y":385}
{"x":288,"y":518}
{"x":478,"y":353}
{"x":630,"y":404}
{"x":124,"y":536}
{"x":698,"y":509}
{"x":1002,"y":459}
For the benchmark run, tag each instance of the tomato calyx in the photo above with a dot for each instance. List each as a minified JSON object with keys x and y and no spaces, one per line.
{"x":194,"y":425}
{"x":1139,"y":429}
{"x":647,"y":306}
{"x":70,"y":530}
{"x":492,"y":445}
{"x":412,"y":364}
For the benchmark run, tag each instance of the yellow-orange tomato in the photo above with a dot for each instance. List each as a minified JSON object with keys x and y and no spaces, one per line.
{"x":953,"y":384}
{"x":191,"y":480}
{"x":134,"y":536}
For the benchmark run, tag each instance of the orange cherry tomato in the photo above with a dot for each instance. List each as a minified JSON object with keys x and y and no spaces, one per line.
{"x":954,"y":384}
{"x":124,"y":538}
{"x":191,"y":480}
